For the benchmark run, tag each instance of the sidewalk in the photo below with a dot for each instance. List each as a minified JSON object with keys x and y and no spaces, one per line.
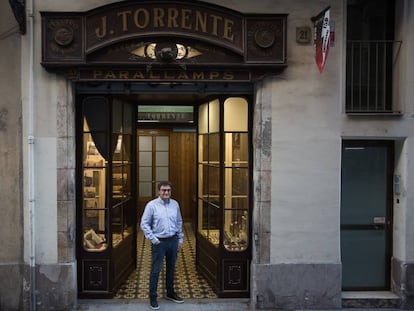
{"x":188,"y":305}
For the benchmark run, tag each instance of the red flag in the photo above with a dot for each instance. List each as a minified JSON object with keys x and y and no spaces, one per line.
{"x":322,"y":34}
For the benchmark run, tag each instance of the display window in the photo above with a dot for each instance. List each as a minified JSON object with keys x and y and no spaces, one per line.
{"x":107,"y":215}
{"x":224,"y":173}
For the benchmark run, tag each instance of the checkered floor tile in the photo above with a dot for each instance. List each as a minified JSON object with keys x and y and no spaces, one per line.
{"x":188,"y":283}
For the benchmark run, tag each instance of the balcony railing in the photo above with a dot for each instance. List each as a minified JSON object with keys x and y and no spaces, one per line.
{"x":369,"y":76}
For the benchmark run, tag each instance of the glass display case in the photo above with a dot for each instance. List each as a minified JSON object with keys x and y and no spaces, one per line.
{"x":223,"y":247}
{"x":106,"y":198}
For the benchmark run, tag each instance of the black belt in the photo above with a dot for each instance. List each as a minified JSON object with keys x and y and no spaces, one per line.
{"x":168,"y":238}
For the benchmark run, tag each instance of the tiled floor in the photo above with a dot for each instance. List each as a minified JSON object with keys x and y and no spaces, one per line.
{"x":188,"y":283}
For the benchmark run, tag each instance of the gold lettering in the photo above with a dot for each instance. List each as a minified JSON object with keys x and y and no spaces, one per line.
{"x":201,"y":22}
{"x":227,"y":30}
{"x":213,"y":75}
{"x":100,"y":33}
{"x":185,"y":16}
{"x":183,"y":76}
{"x":123,"y":75}
{"x":167,"y":76}
{"x":138,"y":75}
{"x":146,"y":18}
{"x":110,"y":75}
{"x":124,"y":17}
{"x":97,"y":74}
{"x":154,"y":76}
{"x":228,"y":75}
{"x":198,"y":75}
{"x":215,"y":20}
{"x":158,"y":17}
{"x":172,"y":18}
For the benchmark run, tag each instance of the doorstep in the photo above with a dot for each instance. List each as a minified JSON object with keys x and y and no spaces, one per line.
{"x":370,"y":299}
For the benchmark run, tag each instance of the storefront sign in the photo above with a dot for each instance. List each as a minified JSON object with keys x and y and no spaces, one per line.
{"x":164,"y":40}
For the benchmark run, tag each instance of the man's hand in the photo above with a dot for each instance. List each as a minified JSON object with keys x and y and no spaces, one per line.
{"x":180,"y":247}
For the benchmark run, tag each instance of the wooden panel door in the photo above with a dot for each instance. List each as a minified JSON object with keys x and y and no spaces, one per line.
{"x":152,"y":165}
{"x":167,"y":155}
{"x":183,"y":172}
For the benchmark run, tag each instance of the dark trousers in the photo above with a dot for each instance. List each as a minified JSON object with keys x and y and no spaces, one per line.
{"x":168,"y":249}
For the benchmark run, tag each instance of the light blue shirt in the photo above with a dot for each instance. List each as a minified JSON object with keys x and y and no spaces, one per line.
{"x":162,"y":220}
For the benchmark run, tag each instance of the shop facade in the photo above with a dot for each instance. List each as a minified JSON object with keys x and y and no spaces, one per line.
{"x":297,"y":181}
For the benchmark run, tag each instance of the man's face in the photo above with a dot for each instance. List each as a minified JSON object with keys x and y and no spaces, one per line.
{"x":165,"y":192}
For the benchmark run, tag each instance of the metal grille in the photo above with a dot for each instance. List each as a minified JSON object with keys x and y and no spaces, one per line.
{"x":369,"y":75}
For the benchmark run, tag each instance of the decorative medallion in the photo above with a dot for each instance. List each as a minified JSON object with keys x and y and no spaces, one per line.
{"x":63,"y":39}
{"x":264,"y":38}
{"x":64,"y":36}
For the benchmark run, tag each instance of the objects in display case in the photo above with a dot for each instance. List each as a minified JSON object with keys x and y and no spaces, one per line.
{"x":119,"y":237}
{"x":212,"y":235}
{"x":235,"y":233}
{"x":119,"y":181}
{"x":93,"y":241}
{"x":93,"y":157}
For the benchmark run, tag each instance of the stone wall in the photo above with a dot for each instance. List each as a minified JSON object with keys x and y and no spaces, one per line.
{"x":11,"y":228}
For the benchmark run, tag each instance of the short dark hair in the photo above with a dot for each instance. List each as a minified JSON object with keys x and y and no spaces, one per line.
{"x":164,"y":183}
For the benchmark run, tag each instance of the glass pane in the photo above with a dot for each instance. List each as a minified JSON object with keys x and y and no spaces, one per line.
{"x":214,"y":148}
{"x":235,"y":115}
{"x":214,"y":183}
{"x":209,"y":222}
{"x":214,"y":116}
{"x":236,"y":230}
{"x":204,"y":182}
{"x":120,"y":235}
{"x":239,"y":202}
{"x":128,"y":118}
{"x":118,"y":154}
{"x":145,"y":143}
{"x":94,"y":231}
{"x":117,"y":117}
{"x":214,"y":219}
{"x":145,"y":158}
{"x":364,"y":184}
{"x":94,"y":213}
{"x":161,"y":143}
{"x":92,"y":153}
{"x":161,"y":158}
{"x":161,"y":173}
{"x":144,"y":189}
{"x":96,"y":111}
{"x":85,"y":125}
{"x":126,"y":183}
{"x":117,"y":218}
{"x":204,"y":148}
{"x":127,"y":147}
{"x":239,"y":182}
{"x":203,"y":119}
{"x":145,"y":173}
{"x":94,"y":188}
{"x":363,"y":258}
{"x":236,"y":149}
{"x":117,"y":180}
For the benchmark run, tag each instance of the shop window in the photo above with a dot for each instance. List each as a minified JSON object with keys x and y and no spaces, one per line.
{"x":224,"y":173}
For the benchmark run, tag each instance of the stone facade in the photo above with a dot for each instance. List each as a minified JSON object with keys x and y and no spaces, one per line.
{"x":298,"y":126}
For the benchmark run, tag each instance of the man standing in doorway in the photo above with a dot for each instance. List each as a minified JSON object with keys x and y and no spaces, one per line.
{"x":162,"y":224}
